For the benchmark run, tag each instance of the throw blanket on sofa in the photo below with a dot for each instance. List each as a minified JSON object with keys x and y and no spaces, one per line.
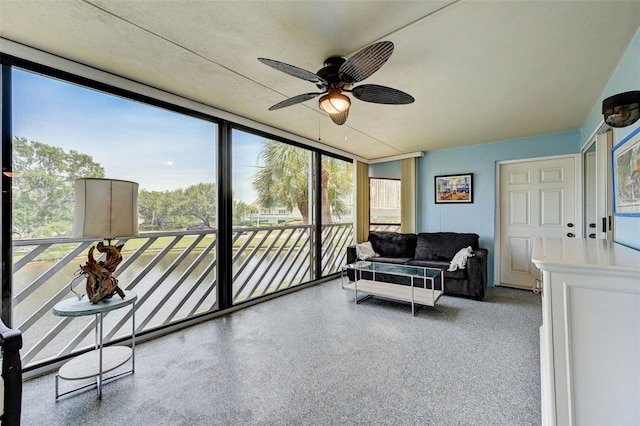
{"x":459,"y":261}
{"x":365,"y":251}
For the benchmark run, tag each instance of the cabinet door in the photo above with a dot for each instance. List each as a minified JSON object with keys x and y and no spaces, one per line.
{"x":547,"y":373}
{"x":596,"y":348}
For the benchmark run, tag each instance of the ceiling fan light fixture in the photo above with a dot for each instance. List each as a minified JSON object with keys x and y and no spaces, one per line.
{"x":338,"y":75}
{"x":622,"y":110}
{"x":335,"y":102}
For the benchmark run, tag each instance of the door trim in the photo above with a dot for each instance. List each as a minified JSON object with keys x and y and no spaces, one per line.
{"x":603,"y":137}
{"x":496,"y":226}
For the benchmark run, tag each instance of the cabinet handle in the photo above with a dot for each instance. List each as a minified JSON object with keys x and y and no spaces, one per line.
{"x":592,"y":225}
{"x":570,"y":235}
{"x":592,"y":235}
{"x":570,"y":225}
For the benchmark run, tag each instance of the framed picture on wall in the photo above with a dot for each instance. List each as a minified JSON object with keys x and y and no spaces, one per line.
{"x":626,"y":176}
{"x":454,"y":188}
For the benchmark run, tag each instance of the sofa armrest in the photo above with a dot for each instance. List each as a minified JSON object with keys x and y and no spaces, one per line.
{"x":11,"y":342}
{"x":352,"y":256}
{"x":477,"y":270}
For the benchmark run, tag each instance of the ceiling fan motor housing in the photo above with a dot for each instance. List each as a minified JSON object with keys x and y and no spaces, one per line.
{"x":331,"y":72}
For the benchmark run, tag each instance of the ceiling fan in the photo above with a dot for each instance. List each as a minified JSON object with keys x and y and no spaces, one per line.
{"x":338,"y":75}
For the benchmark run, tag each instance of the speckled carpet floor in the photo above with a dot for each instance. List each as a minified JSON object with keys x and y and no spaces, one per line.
{"x":314,"y":357}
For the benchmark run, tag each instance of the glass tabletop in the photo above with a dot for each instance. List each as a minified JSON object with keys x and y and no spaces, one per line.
{"x":390,"y":268}
{"x":76,"y":308}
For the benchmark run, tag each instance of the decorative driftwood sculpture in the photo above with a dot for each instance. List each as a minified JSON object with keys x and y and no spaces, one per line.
{"x":100,"y":283}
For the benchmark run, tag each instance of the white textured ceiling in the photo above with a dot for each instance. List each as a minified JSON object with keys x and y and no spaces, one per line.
{"x":480,"y":71}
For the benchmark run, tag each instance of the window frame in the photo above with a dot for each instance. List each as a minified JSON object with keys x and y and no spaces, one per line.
{"x":373,"y":225}
{"x":224,"y":142}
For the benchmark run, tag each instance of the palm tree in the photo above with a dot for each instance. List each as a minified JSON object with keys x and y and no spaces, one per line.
{"x":338,"y":187}
{"x":283,"y":181}
{"x":242,"y":211}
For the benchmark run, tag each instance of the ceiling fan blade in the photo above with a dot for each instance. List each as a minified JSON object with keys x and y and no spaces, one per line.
{"x":365,"y":62}
{"x":293,"y":71}
{"x":340,"y":118}
{"x":381,"y":95}
{"x":294,"y":100}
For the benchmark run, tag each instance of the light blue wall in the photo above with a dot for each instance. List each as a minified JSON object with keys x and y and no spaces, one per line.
{"x":388,"y":170}
{"x":625,"y":78}
{"x":479,"y":217}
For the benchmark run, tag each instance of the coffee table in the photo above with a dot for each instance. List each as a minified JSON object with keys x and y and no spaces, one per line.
{"x":417,"y":293}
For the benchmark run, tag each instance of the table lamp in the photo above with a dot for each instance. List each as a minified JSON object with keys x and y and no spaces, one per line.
{"x":108,"y":209}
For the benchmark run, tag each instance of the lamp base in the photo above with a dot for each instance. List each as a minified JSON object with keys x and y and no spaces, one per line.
{"x":100,"y":282}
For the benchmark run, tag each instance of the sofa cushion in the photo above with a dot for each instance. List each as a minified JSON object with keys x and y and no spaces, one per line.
{"x":442,"y":245}
{"x":393,"y":244}
{"x":394,"y":260}
{"x":460,"y":274}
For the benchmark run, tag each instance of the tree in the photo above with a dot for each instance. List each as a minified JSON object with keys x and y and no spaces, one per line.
{"x":338,"y":187}
{"x":43,"y":187}
{"x":178,"y":208}
{"x":154,"y":208}
{"x":242,"y":212}
{"x":283,"y":181}
{"x":199,"y":202}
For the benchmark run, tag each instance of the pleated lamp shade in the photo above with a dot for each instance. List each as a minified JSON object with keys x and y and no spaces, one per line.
{"x":105,"y":208}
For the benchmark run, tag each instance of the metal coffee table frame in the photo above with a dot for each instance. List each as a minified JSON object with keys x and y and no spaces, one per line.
{"x":416,"y":295}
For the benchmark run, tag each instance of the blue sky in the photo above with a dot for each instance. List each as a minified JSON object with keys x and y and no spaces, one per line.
{"x":159,"y":149}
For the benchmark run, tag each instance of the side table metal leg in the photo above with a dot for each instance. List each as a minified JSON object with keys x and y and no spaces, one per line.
{"x":133,"y":338}
{"x":99,"y":381}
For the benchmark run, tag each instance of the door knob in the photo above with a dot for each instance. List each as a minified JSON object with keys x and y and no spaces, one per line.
{"x":570,"y":225}
{"x":570,"y":235}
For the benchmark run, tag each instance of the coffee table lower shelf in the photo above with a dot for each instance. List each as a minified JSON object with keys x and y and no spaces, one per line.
{"x":419,"y":295}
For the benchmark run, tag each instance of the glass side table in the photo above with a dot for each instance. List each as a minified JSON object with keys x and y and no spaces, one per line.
{"x":101,"y":360}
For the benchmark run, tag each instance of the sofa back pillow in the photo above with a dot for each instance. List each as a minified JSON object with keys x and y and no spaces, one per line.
{"x":393,"y":244}
{"x":443,"y":245}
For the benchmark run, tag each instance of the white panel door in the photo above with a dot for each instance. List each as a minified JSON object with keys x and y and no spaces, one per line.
{"x":537,"y":199}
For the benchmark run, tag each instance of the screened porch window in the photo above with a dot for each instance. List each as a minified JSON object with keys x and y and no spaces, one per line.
{"x":384,"y":204}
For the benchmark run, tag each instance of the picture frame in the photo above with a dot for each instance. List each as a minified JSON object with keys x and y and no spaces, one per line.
{"x":454,"y":188}
{"x":625,"y":157}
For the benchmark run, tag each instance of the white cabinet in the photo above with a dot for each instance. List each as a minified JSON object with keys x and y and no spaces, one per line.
{"x":590,"y":336}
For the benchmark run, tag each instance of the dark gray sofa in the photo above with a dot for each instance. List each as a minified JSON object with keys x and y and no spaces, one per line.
{"x":433,"y":250}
